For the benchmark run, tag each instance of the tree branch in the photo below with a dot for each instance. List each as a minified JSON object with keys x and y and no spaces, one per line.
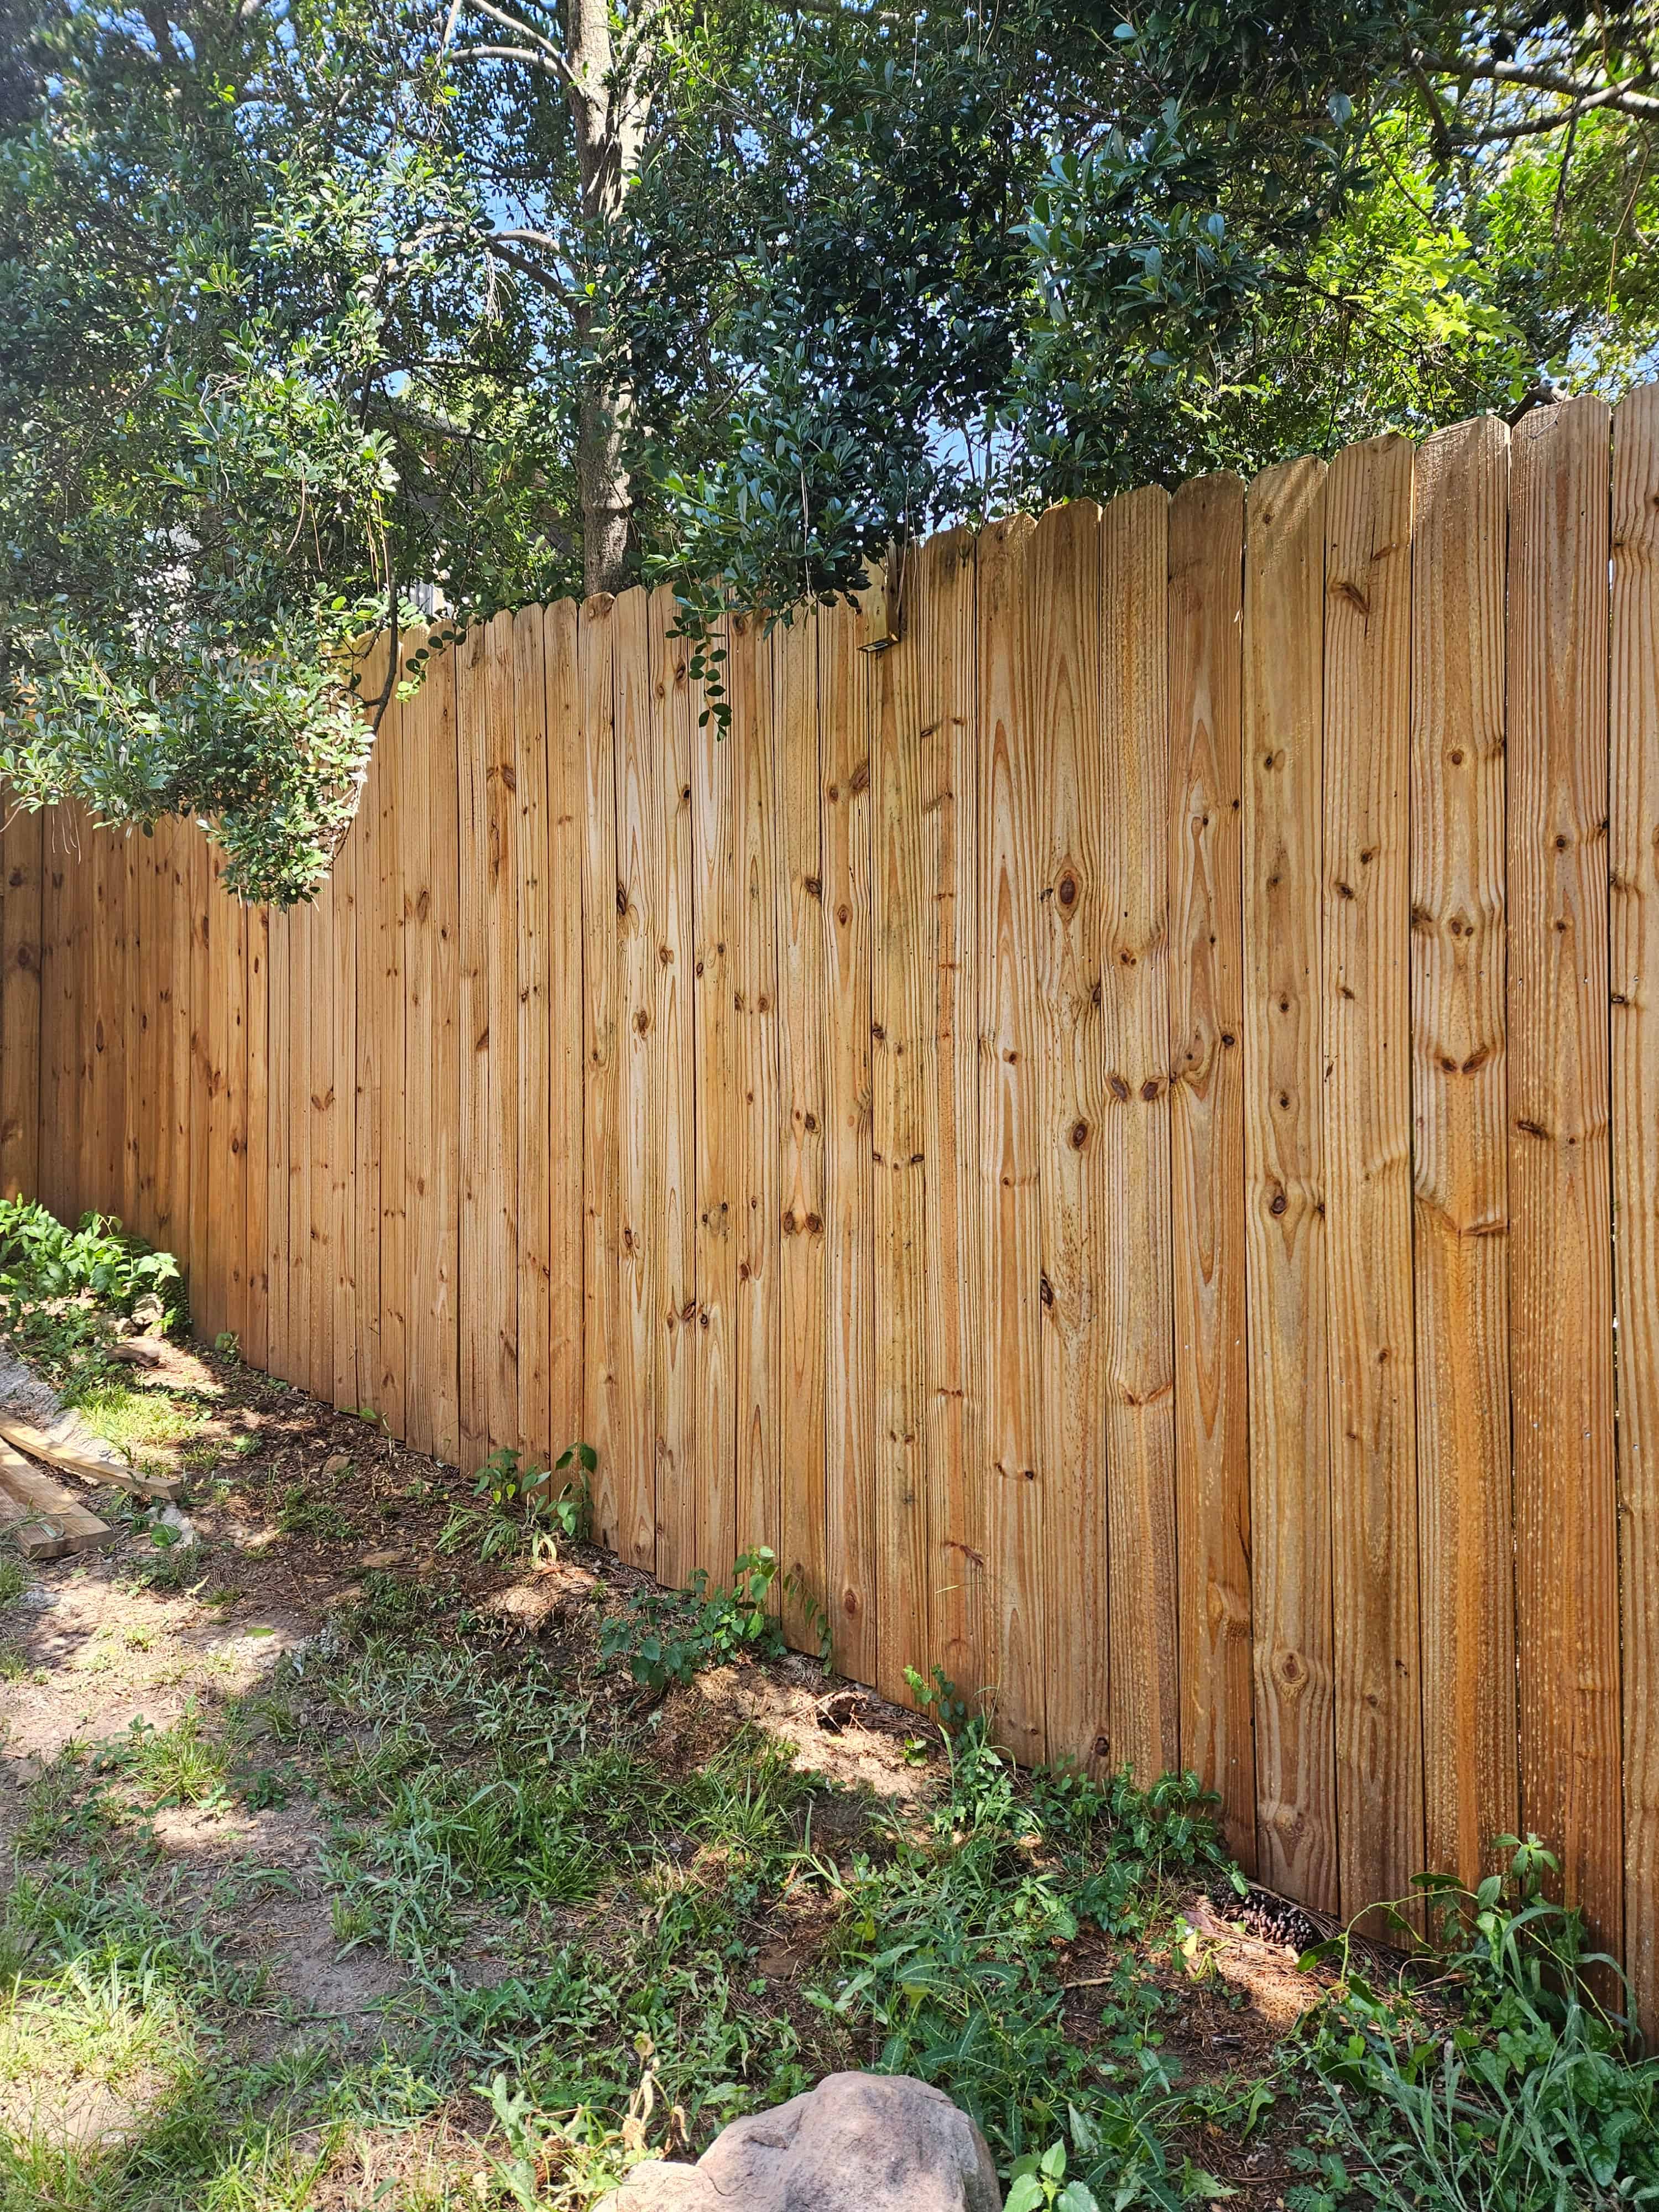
{"x":1622,"y":95}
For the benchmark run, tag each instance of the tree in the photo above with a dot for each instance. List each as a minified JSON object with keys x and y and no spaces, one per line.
{"x":310,"y":309}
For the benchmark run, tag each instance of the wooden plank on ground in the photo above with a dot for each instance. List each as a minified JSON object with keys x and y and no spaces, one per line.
{"x":1367,"y":1170}
{"x":802,"y":1114}
{"x":1283,"y":1168}
{"x":563,"y":861}
{"x":1079,"y":873}
{"x":35,"y":1443}
{"x":21,"y":852}
{"x":531,"y":858}
{"x":901,"y":930}
{"x":754,"y":738}
{"x":1139,"y":1295}
{"x":849,"y":1335}
{"x":1459,"y":1111}
{"x":1206,"y":1145}
{"x":1009,"y":1295}
{"x":54,"y":1523}
{"x":602,"y":1047}
{"x":1560,"y":1266}
{"x":951,"y":1377}
{"x":639,"y":1279}
{"x":1634,"y":875}
{"x":673,"y":1107}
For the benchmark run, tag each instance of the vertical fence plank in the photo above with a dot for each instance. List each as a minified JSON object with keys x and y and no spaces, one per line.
{"x":1138,"y":1287}
{"x":849,"y":1340}
{"x":1010,"y":1279}
{"x":383,"y":1018}
{"x":602,"y":1048}
{"x":1560,"y":1275}
{"x":55,"y":1162}
{"x":474,"y":1303}
{"x":562,"y":859}
{"x":368,"y":950}
{"x":803,"y":1108}
{"x":279,"y":1270}
{"x":1284,"y":1170}
{"x":1076,"y":877}
{"x":714,"y":980}
{"x":1206,"y":1140}
{"x":206,"y":1306}
{"x":1460,"y":1092}
{"x":501,"y":1175}
{"x":104,"y":863}
{"x":639,"y":1257}
{"x":674,"y":1382}
{"x":1368,"y":1174}
{"x":530,"y":854}
{"x":256,"y":1343}
{"x":215,"y":1303}
{"x":137,"y":1104}
{"x":433,"y":1048}
{"x":21,"y":851}
{"x":901,"y":687}
{"x":952,"y":1381}
{"x":340,"y":949}
{"x":754,"y":737}
{"x":1634,"y":874}
{"x":176,"y":840}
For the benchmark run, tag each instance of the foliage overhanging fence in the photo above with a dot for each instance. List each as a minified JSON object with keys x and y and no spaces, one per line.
{"x":1097,"y":1131}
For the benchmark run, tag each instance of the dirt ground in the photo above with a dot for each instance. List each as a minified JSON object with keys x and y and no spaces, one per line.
{"x":290,"y":1510}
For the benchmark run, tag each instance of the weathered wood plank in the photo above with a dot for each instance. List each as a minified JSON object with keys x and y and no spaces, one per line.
{"x":952,"y":1376}
{"x":1138,"y":1291}
{"x":1460,"y":1095}
{"x":900,"y":932}
{"x":531,"y":854}
{"x":753,"y":739}
{"x":279,"y":1271}
{"x":563,"y":861}
{"x":640,"y":1277}
{"x":1079,"y":867}
{"x":1633,"y":859}
{"x":602,"y":896}
{"x":256,"y":1340}
{"x":1367,"y":1170}
{"x":677,"y":703}
{"x":1010,"y":847}
{"x":474,"y":1302}
{"x":849,"y":1171}
{"x":1560,"y":1238}
{"x":1285,"y":1181}
{"x":21,"y":851}
{"x":1207,"y":1143}
{"x":382,"y":1104}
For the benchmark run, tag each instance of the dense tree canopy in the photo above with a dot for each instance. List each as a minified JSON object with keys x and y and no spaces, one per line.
{"x":312,"y":309}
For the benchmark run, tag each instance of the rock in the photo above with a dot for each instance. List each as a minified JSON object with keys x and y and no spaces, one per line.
{"x":337,"y":1463}
{"x":858,"y":2142}
{"x":147,"y":1312}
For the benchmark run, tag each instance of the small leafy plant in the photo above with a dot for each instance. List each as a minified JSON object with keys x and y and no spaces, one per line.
{"x":666,"y":1637}
{"x":517,"y":1512}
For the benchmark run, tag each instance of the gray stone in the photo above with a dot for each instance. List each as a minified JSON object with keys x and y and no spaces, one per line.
{"x":858,"y":2142}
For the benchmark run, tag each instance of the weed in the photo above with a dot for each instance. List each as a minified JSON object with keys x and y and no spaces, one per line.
{"x":673,"y":1636}
{"x":14,"y":1579}
{"x":179,"y":1765}
{"x":516,"y":1511}
{"x":302,"y":1514}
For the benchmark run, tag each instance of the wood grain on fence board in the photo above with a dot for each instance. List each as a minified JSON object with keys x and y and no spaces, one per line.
{"x":1136,"y":1265}
{"x":279,"y":1335}
{"x":529,"y":867}
{"x":756,"y":727}
{"x":21,"y":847}
{"x":601,"y":1133}
{"x":714,"y":981}
{"x":1368,"y":1170}
{"x":499,"y":890}
{"x":1560,"y":1266}
{"x":1633,"y":867}
{"x":58,"y":942}
{"x":639,"y":1254}
{"x":1010,"y":1294}
{"x":340,"y":949}
{"x":256,"y":1347}
{"x":1207,"y":1142}
{"x":205,"y":1308}
{"x":1285,"y":1181}
{"x":803,"y":1110}
{"x":474,"y":1302}
{"x":371,"y":962}
{"x":385,"y":1169}
{"x":1460,"y":1095}
{"x":182,"y":838}
{"x":902,"y":703}
{"x":1076,"y":875}
{"x":566,"y":800}
{"x":849,"y":1338}
{"x":953,"y":1381}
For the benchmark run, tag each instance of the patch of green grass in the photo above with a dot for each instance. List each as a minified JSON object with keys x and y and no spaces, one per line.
{"x":137,"y":1420}
{"x":303,"y":1515}
{"x":14,"y":1579}
{"x":179,"y":1765}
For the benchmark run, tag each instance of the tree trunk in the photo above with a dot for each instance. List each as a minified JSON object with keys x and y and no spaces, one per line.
{"x":609,"y":108}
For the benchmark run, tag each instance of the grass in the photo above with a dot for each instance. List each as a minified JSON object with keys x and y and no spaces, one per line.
{"x":582,"y":1929}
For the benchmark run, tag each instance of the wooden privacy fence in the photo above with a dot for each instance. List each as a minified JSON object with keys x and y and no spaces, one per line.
{"x":1098,"y":1132}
